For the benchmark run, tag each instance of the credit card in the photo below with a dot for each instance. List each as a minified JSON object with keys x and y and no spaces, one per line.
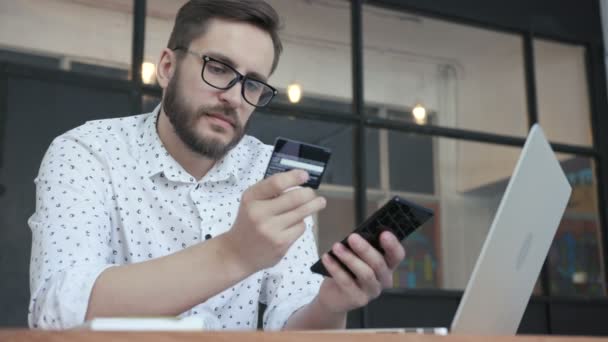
{"x":290,"y":154}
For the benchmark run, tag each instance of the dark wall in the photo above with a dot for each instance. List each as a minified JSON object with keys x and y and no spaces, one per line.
{"x":579,"y":316}
{"x":431,"y":308}
{"x":569,"y":20}
{"x":37,"y":106}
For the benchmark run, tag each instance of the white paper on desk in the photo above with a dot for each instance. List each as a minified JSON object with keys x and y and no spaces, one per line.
{"x":191,"y":323}
{"x":442,"y":331}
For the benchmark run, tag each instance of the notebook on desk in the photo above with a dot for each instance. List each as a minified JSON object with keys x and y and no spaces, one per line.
{"x":515,"y":248}
{"x":191,"y":323}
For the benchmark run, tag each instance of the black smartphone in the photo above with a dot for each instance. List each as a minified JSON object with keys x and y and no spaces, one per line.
{"x":291,"y":154}
{"x":399,"y":216}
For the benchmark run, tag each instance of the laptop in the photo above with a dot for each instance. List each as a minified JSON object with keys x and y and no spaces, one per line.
{"x":517,"y":244}
{"x":515,"y":248}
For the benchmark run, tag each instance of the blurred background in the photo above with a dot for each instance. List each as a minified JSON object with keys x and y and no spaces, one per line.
{"x":427,"y":100}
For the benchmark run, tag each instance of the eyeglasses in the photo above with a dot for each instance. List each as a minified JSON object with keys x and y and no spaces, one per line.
{"x":222,"y":76}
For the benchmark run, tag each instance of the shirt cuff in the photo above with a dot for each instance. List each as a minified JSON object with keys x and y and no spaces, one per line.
{"x":63,"y":300}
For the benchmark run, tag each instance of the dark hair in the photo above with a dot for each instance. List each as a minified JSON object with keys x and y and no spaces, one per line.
{"x":193,"y":19}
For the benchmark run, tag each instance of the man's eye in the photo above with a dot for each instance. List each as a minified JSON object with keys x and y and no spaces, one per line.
{"x":253,"y":86}
{"x":217,"y":69}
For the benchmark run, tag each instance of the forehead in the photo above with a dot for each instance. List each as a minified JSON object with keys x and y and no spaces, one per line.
{"x":248,"y":47}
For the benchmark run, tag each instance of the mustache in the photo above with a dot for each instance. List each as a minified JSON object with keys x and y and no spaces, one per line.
{"x":226,"y":111}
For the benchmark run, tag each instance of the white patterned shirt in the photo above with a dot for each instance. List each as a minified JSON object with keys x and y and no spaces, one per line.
{"x":108,"y":193}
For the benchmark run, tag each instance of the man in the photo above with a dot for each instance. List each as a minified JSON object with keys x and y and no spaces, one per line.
{"x":166,"y":214}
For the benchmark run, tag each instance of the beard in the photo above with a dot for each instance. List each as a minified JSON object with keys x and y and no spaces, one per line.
{"x":184,"y":121}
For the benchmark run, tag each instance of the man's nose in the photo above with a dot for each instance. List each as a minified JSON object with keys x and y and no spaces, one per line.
{"x":233,"y":95}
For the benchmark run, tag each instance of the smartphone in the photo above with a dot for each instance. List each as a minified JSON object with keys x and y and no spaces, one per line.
{"x":291,"y":154}
{"x":399,"y":216}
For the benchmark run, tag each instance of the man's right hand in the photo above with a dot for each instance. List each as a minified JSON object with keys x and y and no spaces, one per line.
{"x":271,"y":219}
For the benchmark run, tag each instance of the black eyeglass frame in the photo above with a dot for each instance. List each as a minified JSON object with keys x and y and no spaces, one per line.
{"x":240,"y":78}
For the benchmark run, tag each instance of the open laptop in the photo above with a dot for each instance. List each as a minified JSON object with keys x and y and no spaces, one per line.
{"x":515,"y":248}
{"x":517,"y":244}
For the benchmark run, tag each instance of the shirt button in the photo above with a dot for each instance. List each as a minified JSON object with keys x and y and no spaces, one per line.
{"x":208,"y":236}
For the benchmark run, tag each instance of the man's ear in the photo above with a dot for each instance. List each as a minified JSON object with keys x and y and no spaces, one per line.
{"x":166,"y":67}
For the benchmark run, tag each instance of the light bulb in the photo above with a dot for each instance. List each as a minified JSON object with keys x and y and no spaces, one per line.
{"x":148,"y":73}
{"x":419,"y":113}
{"x":294,"y":92}
{"x":579,"y":278}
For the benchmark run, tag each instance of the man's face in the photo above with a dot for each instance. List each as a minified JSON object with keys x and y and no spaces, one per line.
{"x":208,"y":120}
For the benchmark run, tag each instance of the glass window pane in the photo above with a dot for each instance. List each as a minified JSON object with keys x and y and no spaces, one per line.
{"x":422,"y":266}
{"x":464,"y":77}
{"x":469,"y":179}
{"x":85,"y":36}
{"x":317,"y":48}
{"x":575,"y":258}
{"x":160,"y":16}
{"x":563,"y":94}
{"x":316,"y":41}
{"x":337,"y":220}
{"x":149,"y":103}
{"x":411,"y":163}
{"x":337,"y":137}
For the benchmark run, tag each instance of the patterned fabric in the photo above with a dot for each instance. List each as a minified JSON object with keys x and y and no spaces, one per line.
{"x":108,"y":193}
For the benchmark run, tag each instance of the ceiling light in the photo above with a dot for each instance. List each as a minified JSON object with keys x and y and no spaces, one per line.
{"x":419,"y":113}
{"x":294,"y":92}
{"x":148,"y":73}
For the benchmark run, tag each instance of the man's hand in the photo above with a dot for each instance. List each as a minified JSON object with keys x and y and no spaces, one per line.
{"x":374,"y":272}
{"x":270,"y":219}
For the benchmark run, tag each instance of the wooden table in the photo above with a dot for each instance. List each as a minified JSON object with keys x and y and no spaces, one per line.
{"x":24,"y":335}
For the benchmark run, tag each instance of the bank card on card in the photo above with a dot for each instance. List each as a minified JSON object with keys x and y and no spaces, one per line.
{"x":290,"y":154}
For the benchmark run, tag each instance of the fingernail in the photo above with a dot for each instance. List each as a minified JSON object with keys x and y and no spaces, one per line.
{"x":386,"y":237}
{"x":356,"y":240}
{"x":303,"y":176}
{"x":338,"y":248}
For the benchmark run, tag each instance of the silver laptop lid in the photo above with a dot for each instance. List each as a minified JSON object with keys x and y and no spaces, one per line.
{"x":517,"y":244}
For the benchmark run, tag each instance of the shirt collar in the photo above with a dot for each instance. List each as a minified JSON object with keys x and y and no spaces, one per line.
{"x":225,"y":169}
{"x":156,"y":159}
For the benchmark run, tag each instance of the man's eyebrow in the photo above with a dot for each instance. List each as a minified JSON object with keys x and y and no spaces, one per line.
{"x":225,"y":59}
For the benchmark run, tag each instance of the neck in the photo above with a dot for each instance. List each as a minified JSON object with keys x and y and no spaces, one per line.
{"x":195,"y":164}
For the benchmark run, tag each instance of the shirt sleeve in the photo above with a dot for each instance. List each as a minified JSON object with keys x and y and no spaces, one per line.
{"x":289,"y":285}
{"x":70,"y":234}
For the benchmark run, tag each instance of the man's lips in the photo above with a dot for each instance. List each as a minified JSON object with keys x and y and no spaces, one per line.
{"x":222,"y":117}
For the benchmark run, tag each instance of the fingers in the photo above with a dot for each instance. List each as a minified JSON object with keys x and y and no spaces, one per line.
{"x":373,"y":258}
{"x":286,"y":208}
{"x":371,"y":268}
{"x":291,"y":234}
{"x":275,"y":185}
{"x":345,"y":282}
{"x":288,"y":201}
{"x":394,"y":251}
{"x":296,"y":215}
{"x":366,"y":276}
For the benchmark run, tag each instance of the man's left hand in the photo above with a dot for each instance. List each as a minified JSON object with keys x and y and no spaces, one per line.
{"x":374,"y":272}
